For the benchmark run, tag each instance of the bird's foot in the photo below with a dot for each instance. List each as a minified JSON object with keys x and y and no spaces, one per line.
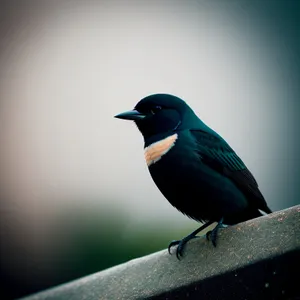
{"x":181,"y":244}
{"x":212,"y":234}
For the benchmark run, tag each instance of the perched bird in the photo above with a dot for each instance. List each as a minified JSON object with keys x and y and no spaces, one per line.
{"x":194,"y":167}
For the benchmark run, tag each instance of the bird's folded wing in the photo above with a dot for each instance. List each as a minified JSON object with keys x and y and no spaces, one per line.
{"x":218,"y":155}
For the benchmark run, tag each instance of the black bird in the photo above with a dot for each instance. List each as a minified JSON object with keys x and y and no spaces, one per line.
{"x":194,"y":167}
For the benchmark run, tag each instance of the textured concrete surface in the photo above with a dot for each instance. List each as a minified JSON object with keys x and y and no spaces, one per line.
{"x":256,"y":259}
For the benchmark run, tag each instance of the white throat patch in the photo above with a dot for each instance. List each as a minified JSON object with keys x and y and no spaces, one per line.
{"x":155,"y":151}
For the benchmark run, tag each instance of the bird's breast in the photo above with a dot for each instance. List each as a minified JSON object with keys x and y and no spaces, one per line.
{"x":157,"y":150}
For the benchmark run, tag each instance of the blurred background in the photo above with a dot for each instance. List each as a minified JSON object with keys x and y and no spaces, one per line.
{"x":75,"y":193}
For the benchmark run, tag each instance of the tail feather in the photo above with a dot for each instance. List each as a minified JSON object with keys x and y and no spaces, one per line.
{"x":258,"y":212}
{"x":266,"y":210}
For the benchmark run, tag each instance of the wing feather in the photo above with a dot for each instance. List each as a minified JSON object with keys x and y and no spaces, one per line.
{"x":216,"y":153}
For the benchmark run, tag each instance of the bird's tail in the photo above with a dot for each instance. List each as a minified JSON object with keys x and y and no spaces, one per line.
{"x":252,"y":213}
{"x":258,"y":212}
{"x":265,"y":211}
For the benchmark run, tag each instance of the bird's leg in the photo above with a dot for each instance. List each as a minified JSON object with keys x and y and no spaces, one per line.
{"x":213,"y":233}
{"x":181,"y":243}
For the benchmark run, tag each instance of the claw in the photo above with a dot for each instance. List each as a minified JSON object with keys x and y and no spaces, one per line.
{"x":208,"y":233}
{"x":179,"y":250}
{"x":213,"y":233}
{"x":173,"y":243}
{"x":214,"y":239}
{"x":181,"y":244}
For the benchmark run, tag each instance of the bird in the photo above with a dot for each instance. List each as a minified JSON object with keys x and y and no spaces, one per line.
{"x":194,"y":167}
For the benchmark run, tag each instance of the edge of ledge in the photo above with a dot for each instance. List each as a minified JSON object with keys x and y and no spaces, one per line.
{"x":238,"y":246}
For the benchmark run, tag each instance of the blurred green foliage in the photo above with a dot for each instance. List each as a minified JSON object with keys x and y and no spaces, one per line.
{"x":106,"y":240}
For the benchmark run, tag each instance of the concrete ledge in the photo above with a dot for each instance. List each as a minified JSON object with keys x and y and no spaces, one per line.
{"x":257,"y":259}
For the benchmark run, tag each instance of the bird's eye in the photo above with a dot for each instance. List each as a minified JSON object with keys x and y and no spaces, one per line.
{"x":155,"y":109}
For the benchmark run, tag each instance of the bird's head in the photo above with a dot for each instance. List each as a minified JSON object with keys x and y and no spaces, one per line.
{"x":160,"y":114}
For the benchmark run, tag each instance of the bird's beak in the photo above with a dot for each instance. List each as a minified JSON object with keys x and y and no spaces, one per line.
{"x":133,"y":115}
